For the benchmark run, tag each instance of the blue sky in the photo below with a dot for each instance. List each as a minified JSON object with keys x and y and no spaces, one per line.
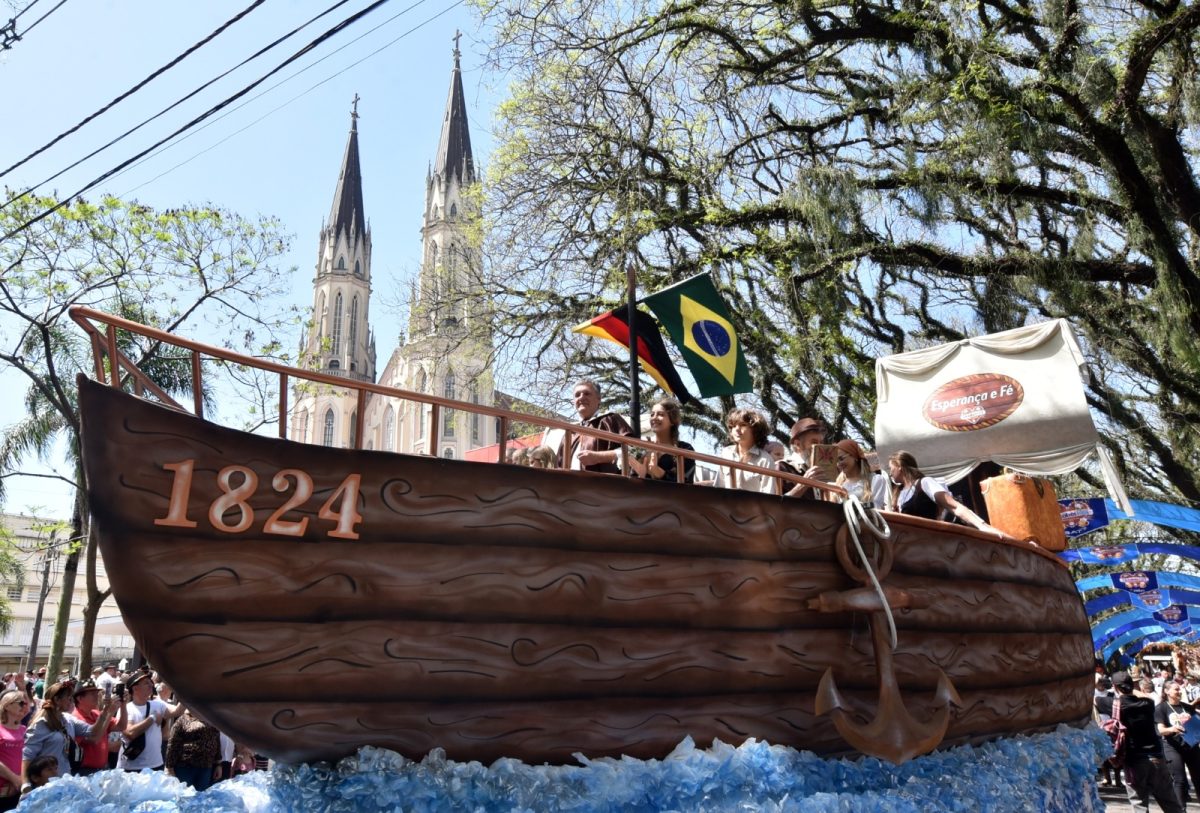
{"x":278,"y":154}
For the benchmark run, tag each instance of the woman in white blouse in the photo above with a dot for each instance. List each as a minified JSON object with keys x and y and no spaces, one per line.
{"x":748,"y":430}
{"x":855,"y":475}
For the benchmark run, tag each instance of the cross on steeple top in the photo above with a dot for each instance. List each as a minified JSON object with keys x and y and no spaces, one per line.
{"x":354,"y":107}
{"x":457,"y":36}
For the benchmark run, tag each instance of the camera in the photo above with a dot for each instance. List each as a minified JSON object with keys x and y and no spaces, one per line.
{"x":119,"y":690}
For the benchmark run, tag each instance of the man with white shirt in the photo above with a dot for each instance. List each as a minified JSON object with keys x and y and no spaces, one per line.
{"x":144,"y":715}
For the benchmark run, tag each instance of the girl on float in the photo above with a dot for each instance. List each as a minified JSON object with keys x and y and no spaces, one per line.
{"x":665,"y":419}
{"x":915,"y":494}
{"x":855,"y":475}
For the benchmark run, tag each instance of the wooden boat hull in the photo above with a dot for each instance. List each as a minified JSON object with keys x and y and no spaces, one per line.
{"x":498,"y":611}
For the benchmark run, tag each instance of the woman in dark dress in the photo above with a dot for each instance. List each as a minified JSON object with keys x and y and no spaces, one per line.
{"x":914,"y":493}
{"x":665,"y":418}
{"x":1171,"y":715}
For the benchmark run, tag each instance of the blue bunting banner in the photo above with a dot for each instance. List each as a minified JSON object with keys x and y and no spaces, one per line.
{"x":1159,"y":513}
{"x":1135,"y":581}
{"x":1102,"y":555}
{"x":1171,"y":616}
{"x":1151,"y":600}
{"x":1082,"y":516}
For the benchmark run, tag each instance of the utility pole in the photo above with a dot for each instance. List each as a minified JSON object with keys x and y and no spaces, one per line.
{"x":47,"y":557}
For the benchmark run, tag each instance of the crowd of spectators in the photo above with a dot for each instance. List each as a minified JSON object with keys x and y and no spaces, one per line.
{"x":110,"y":721}
{"x":1162,"y":755}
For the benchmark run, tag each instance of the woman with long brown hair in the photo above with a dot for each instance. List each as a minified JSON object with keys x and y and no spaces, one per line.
{"x":54,"y":729}
{"x":914,"y":493}
{"x":665,"y":420}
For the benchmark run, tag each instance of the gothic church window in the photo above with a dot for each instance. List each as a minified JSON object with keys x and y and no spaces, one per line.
{"x":448,"y":453}
{"x":353,"y":329}
{"x":302,"y":426}
{"x":354,"y":430}
{"x":389,"y":429}
{"x":341,"y":264}
{"x":454,"y":210}
{"x":448,"y":392}
{"x":357,"y":269}
{"x":321,"y":317}
{"x":336,"y":348}
{"x":474,"y":416}
{"x":420,"y":408}
{"x":327,"y":437}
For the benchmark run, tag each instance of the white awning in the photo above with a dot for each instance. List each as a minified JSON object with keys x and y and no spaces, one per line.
{"x":1015,"y":398}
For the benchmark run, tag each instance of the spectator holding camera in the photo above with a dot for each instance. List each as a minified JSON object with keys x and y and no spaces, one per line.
{"x":88,"y":698}
{"x":55,"y":728}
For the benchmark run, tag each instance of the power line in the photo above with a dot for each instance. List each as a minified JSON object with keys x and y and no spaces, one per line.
{"x":178,"y":102}
{"x":282,"y":82}
{"x":332,"y":32}
{"x":136,"y":87}
{"x":8,"y":32}
{"x":33,"y":24}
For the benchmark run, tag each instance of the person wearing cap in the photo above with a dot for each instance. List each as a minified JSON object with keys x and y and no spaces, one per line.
{"x":1146,"y":771}
{"x":855,"y":475}
{"x":806,"y":433}
{"x":145,"y":714}
{"x":55,"y":729}
{"x":88,"y":700}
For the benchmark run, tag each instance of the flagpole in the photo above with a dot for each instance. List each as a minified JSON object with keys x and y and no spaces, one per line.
{"x":635,"y":410}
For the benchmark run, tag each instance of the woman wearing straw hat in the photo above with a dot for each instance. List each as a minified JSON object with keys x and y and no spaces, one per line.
{"x":54,"y":729}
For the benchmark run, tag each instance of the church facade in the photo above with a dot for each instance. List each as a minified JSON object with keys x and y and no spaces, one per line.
{"x":447,"y":349}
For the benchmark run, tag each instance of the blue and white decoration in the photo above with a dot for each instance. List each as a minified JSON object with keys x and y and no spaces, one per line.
{"x":1053,"y":773}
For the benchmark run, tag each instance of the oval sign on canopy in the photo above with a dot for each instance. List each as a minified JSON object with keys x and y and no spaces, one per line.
{"x":973,"y":402}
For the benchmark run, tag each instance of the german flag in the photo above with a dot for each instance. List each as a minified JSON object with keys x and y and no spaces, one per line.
{"x":651,"y":350}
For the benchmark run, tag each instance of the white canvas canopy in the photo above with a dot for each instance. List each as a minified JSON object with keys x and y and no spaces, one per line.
{"x":1015,"y":398}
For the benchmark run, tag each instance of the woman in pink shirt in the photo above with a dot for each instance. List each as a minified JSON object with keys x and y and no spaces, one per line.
{"x":13,"y":705}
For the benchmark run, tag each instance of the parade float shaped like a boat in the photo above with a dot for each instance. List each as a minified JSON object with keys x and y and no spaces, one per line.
{"x":311,"y":600}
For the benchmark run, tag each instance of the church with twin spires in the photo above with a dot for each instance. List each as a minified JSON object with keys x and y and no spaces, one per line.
{"x":449,"y":340}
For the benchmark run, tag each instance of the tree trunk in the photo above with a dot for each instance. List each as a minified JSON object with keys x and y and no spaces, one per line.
{"x":70,"y":568}
{"x":91,"y":608}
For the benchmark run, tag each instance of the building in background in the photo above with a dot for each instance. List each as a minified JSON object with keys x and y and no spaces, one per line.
{"x":42,"y":550}
{"x":448,"y":349}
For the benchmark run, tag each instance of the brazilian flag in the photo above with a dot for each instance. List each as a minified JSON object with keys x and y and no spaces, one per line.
{"x":696,"y":317}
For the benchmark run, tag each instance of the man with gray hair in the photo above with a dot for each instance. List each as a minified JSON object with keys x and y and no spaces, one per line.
{"x":588,"y":453}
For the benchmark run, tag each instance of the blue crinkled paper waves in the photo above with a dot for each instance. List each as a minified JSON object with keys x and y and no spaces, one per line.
{"x":1052,"y":772}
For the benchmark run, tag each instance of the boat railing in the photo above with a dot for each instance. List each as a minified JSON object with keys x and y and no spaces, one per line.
{"x":123,"y":372}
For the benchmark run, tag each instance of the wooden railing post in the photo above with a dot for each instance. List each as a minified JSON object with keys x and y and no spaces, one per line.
{"x":502,"y":441}
{"x":197,"y":385}
{"x":434,"y":415}
{"x":114,"y":365}
{"x":283,"y":399}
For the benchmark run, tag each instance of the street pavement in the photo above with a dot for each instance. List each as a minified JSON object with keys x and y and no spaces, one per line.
{"x":1115,"y":801}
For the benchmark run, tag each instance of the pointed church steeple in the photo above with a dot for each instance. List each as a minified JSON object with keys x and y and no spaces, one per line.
{"x":340,"y":336}
{"x":347,"y":212}
{"x":454,"y":158}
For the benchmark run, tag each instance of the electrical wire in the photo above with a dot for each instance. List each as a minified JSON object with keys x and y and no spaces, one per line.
{"x":33,"y":24}
{"x":328,"y":34}
{"x":175,"y":104}
{"x":276,"y":109}
{"x":136,"y":87}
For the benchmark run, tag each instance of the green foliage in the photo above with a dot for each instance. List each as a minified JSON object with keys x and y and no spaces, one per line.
{"x":862,"y":179}
{"x":201,"y":271}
